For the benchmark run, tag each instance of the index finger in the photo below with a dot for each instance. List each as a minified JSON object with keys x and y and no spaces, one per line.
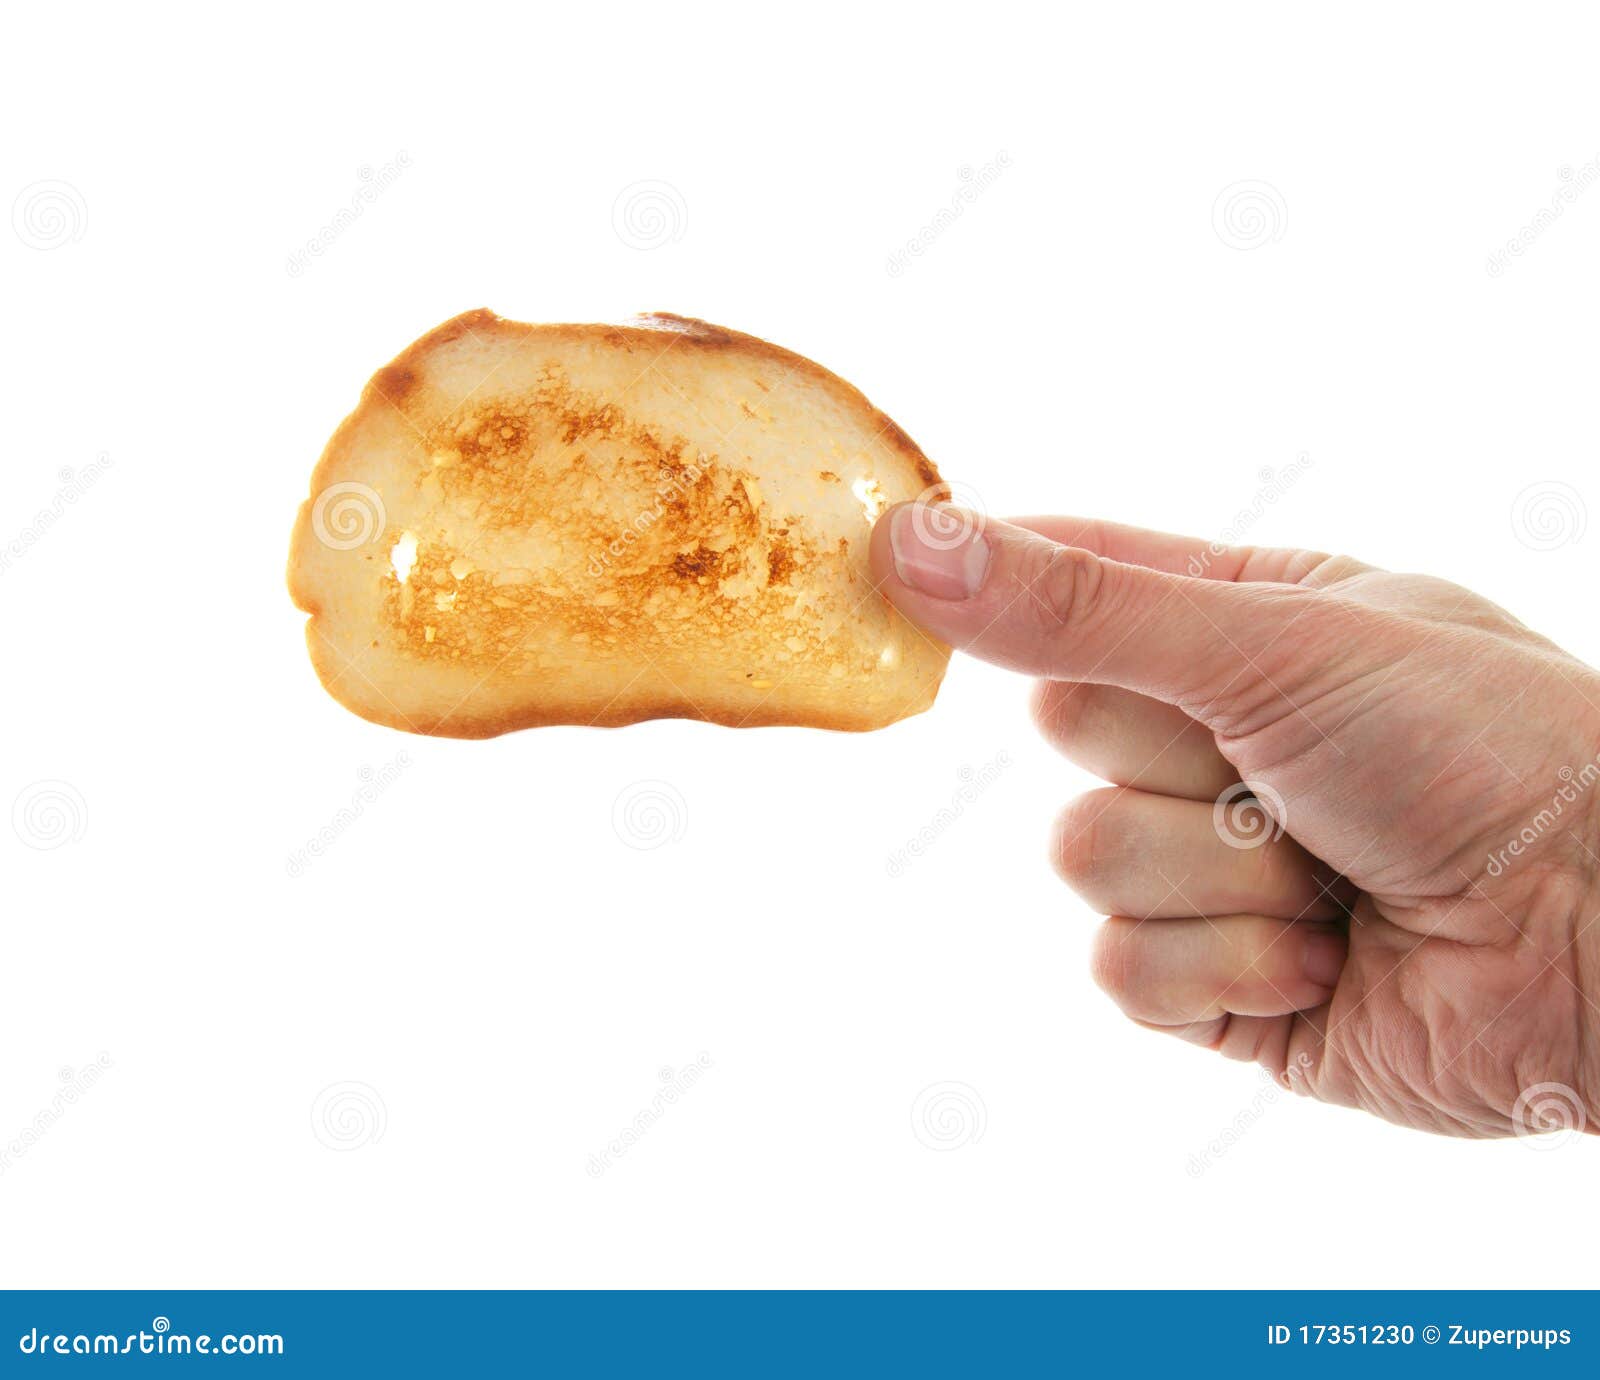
{"x":1196,"y":557}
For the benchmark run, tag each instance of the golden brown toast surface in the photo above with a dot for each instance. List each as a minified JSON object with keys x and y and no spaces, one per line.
{"x":524,"y":525}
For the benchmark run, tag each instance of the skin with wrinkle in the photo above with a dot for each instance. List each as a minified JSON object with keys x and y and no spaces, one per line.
{"x":1411,"y":924}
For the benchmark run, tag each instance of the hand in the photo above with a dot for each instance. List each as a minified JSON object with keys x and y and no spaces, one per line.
{"x":1396,"y":910}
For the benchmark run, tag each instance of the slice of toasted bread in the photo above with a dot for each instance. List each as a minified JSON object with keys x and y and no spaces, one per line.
{"x":524,"y":525}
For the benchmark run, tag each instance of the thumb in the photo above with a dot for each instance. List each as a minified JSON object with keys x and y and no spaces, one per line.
{"x":1024,"y":602}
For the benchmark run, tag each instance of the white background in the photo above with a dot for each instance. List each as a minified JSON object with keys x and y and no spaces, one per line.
{"x":480,"y":948}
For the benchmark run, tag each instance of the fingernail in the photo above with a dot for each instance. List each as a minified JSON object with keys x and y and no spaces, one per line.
{"x":1323,"y":958}
{"x":939,"y":550}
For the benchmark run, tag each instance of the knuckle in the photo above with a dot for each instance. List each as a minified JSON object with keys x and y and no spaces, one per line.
{"x":1318,"y":568}
{"x":1083,"y":840}
{"x":1066,"y":712}
{"x":1045,"y":703}
{"x":1113,"y":961}
{"x":1067,"y":585}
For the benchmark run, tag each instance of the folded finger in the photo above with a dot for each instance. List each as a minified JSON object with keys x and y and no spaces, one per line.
{"x":1193,"y":556}
{"x":1132,"y":740}
{"x":1129,"y":852}
{"x":1188,"y":973}
{"x":1289,"y":1047}
{"x":1168,"y":551}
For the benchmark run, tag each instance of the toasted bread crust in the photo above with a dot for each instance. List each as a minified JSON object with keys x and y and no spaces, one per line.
{"x":735,"y":592}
